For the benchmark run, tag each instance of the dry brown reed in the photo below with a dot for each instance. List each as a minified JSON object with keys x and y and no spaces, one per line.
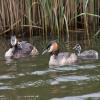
{"x":65,"y":19}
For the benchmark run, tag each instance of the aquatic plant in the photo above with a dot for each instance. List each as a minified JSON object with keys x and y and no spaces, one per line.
{"x":65,"y":19}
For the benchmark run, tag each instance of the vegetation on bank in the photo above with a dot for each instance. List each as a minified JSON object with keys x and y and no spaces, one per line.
{"x":65,"y":19}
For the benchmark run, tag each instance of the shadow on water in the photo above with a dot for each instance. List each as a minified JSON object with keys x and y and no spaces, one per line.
{"x":32,"y":79}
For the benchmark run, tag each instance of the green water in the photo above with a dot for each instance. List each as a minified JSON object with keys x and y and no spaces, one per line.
{"x":32,"y":79}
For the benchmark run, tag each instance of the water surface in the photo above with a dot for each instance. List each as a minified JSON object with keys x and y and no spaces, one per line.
{"x":32,"y":79}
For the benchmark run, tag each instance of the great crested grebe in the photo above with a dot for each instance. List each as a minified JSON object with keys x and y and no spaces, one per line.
{"x":20,"y":49}
{"x":59,"y":59}
{"x":87,"y":54}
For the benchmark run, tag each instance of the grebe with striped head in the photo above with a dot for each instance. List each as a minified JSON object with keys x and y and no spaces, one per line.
{"x":87,"y":54}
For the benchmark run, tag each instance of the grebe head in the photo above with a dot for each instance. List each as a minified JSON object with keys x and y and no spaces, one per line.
{"x":10,"y":52}
{"x":34,"y":51}
{"x":77,"y":48}
{"x":13,"y":41}
{"x":16,"y":42}
{"x":52,"y":48}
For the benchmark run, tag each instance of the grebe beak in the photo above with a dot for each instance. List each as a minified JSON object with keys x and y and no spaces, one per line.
{"x":45,"y":51}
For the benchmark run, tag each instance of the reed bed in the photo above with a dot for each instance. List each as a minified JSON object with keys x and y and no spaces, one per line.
{"x":64,"y":19}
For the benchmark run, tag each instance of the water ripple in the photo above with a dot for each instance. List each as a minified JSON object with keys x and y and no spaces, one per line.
{"x":92,"y":96}
{"x":4,"y":77}
{"x":75,"y":67}
{"x":6,"y":88}
{"x":30,"y":83}
{"x":71,"y":78}
{"x":69,"y":98}
{"x":42,"y":72}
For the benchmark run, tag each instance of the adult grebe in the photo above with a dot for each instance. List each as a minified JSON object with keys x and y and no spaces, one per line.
{"x":59,"y":59}
{"x":20,"y":49}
